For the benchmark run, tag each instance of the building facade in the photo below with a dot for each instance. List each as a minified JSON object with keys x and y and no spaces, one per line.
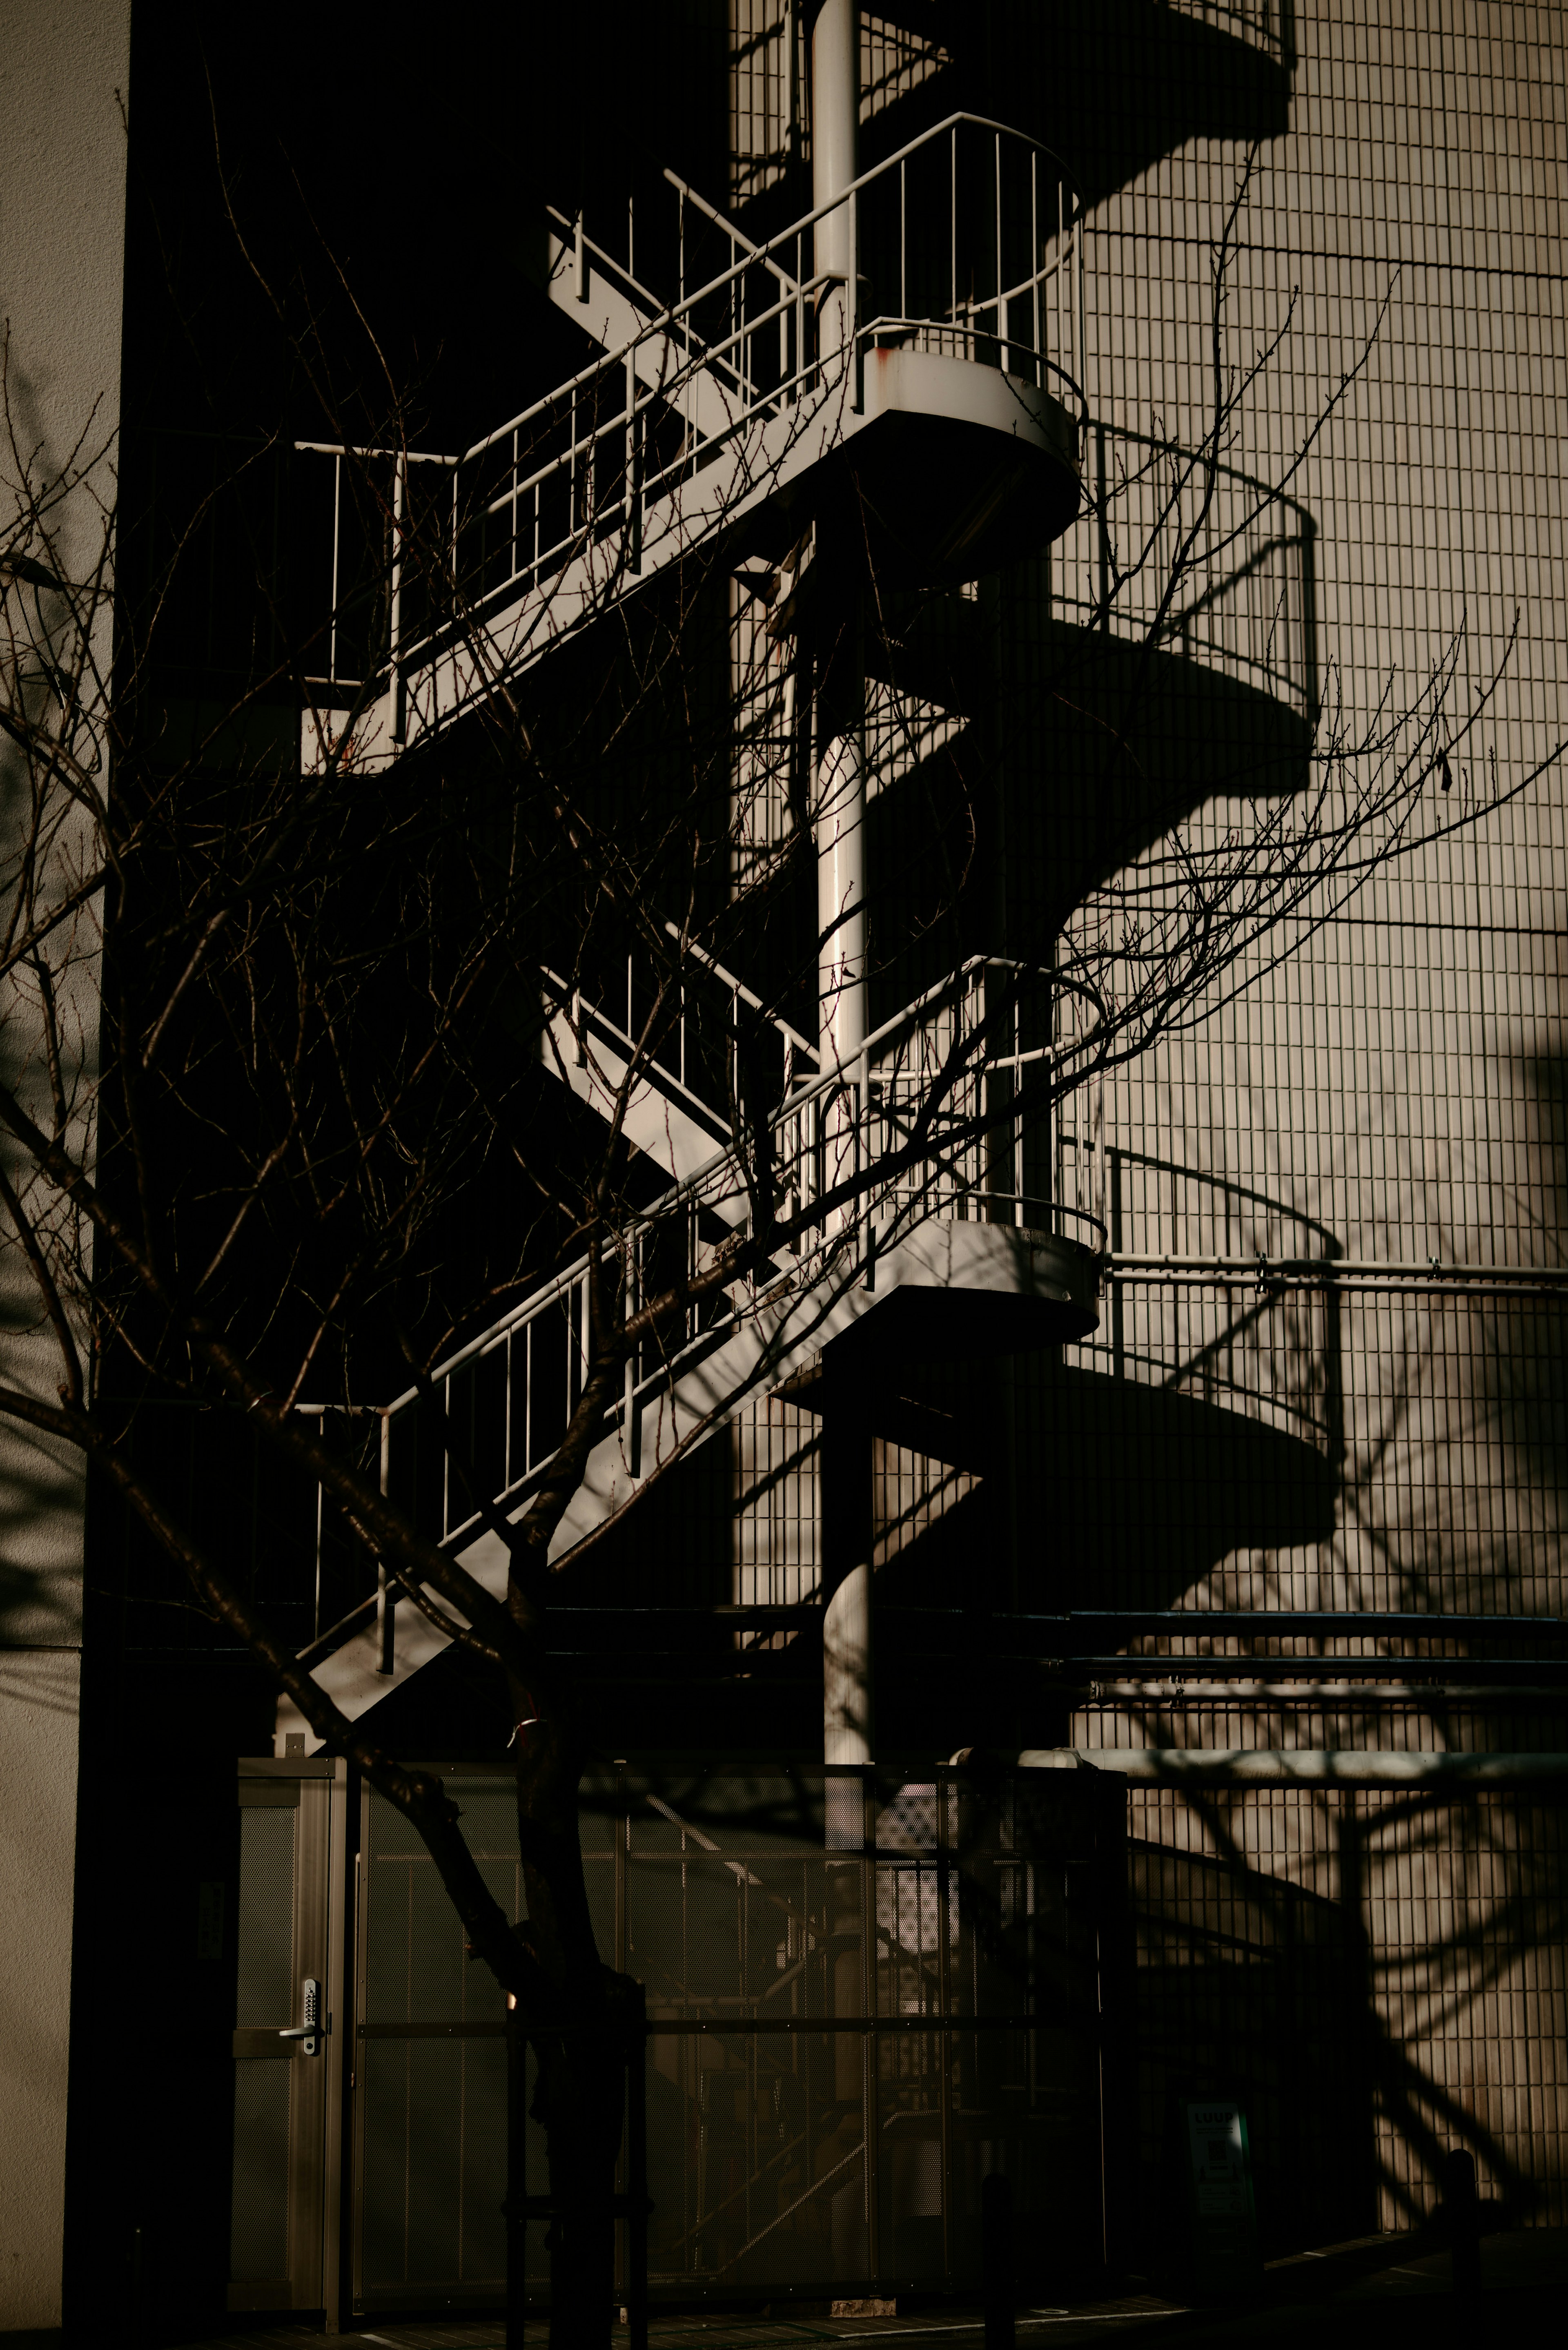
{"x":1283,"y":325}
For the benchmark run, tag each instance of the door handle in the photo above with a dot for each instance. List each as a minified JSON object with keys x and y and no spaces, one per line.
{"x":306,"y":2033}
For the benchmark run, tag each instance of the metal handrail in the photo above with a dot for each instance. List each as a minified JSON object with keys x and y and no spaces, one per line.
{"x":776,"y":245}
{"x":702,"y":390}
{"x":1253,"y":611}
{"x":816,"y":1139}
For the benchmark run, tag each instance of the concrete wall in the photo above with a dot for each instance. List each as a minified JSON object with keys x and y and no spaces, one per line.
{"x":64,"y":85}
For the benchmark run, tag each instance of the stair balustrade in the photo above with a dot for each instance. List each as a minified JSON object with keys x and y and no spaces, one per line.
{"x":966,"y":243}
{"x":472,"y":1442}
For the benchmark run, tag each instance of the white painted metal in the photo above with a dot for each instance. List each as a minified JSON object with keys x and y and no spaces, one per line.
{"x":834,"y":125}
{"x":1310,"y":1767}
{"x":587,"y":491}
{"x":938,"y":1227}
{"x":840,"y":827}
{"x":783,"y":1333}
{"x":847,"y":1724}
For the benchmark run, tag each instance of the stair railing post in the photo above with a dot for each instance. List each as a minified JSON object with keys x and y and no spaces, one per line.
{"x":636,"y":2203}
{"x":517,"y":2181}
{"x":386,"y":1598}
{"x":395,"y":613}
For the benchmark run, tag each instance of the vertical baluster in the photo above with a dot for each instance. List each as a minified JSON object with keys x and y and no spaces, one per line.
{"x":386,"y":1603}
{"x":1075,"y":290}
{"x":1035,"y":265}
{"x":1000,"y":278}
{"x":337,"y":528}
{"x":628,"y":481}
{"x":952,"y":222}
{"x":446,"y":1456}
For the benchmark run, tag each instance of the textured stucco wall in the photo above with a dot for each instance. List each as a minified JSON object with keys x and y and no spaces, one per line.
{"x":64,"y":79}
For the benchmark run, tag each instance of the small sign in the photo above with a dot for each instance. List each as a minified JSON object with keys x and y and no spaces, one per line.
{"x":1222,"y":2227}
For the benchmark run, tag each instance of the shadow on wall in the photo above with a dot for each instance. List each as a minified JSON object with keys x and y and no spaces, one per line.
{"x":1522,"y":1389}
{"x":1138,"y":1493}
{"x":1081,"y":750}
{"x":1310,"y":2004}
{"x":1109,"y":85}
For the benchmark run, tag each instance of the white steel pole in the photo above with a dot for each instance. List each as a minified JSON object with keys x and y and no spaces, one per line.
{"x":841,"y":759}
{"x":840,"y":813}
{"x":841,"y":895}
{"x":835,"y":124}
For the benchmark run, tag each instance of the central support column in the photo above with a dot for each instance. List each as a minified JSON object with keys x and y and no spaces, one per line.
{"x":834,"y":129}
{"x":848,"y":1528}
{"x":840,"y":835}
{"x":840,"y":796}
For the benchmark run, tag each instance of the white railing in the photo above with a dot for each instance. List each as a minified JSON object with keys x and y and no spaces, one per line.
{"x":1241,"y":1338}
{"x":507,"y":1396}
{"x":1247,"y":602}
{"x":710,"y":1028}
{"x":967,"y":240}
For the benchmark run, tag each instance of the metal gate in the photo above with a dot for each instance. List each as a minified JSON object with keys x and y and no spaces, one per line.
{"x":857,"y":2013}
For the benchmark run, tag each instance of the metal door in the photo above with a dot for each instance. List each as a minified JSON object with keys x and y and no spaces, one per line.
{"x":283,"y":2243}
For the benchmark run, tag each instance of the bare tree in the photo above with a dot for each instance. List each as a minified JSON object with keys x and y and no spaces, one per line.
{"x":320,"y":1068}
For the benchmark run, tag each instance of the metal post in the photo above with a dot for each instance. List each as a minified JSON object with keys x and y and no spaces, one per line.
{"x":637,"y":2205}
{"x":846,"y":1669}
{"x":996,"y":2235}
{"x":516,"y":2181}
{"x":386,"y":1594}
{"x":395,"y":626}
{"x":841,"y":889}
{"x":835,"y":127}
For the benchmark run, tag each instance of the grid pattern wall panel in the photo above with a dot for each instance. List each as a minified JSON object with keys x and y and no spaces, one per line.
{"x":777,"y":1460}
{"x":1378,"y":585}
{"x":1382,"y":1980}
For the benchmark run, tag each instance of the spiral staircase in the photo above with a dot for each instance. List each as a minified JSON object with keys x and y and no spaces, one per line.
{"x":916,"y":338}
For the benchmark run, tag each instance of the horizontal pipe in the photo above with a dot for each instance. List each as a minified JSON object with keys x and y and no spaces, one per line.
{"x":1341,"y":1697}
{"x":1178,"y":1766}
{"x":1297,"y":1668}
{"x":1294,"y":1623}
{"x":1098,"y":1623}
{"x":1327,"y":1273}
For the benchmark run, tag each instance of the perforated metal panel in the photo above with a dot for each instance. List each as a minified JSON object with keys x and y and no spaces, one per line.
{"x":266,"y":1987}
{"x":258,"y":2241}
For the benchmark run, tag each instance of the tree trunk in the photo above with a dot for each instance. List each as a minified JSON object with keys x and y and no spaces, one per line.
{"x":580,"y":2101}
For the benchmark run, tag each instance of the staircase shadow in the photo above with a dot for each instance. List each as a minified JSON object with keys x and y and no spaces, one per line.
{"x":1150,"y":1490}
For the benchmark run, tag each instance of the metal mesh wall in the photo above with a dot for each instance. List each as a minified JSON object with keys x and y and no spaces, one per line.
{"x":1377,"y":1976}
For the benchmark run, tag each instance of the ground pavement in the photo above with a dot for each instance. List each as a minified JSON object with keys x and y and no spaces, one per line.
{"x":1379,"y":2293}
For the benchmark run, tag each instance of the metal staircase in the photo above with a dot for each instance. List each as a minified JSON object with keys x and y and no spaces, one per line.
{"x":953,"y":1232}
{"x":947,"y":354}
{"x":923,"y":324}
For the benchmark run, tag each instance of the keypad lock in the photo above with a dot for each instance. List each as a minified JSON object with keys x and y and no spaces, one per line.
{"x":308,"y":2033}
